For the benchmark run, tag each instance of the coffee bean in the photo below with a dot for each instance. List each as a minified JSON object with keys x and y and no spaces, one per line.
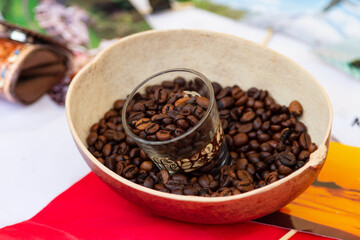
{"x":152,"y":128}
{"x":285,"y":134}
{"x":203,"y":102}
{"x":163,"y":176}
{"x":143,"y":123}
{"x":245,"y":128}
{"x":189,"y":190}
{"x":106,"y":151}
{"x":180,"y":178}
{"x":181,"y":101}
{"x":146,"y":165}
{"x":204,"y":181}
{"x":91,"y":139}
{"x":295,"y":108}
{"x":178,"y":132}
{"x":139,"y":107}
{"x":199,"y":112}
{"x":300,"y":127}
{"x":287,"y":158}
{"x":284,"y":170}
{"x":240,"y":139}
{"x":180,"y":81}
{"x":192,"y":120}
{"x":237,"y":93}
{"x":241,"y":101}
{"x":225,"y":102}
{"x":182,"y":123}
{"x":130,"y":171}
{"x":304,"y":140}
{"x":244,"y":175}
{"x":160,"y":95}
{"x":271,"y":177}
{"x":120,"y":165}
{"x":160,"y":187}
{"x":312,"y":147}
{"x":119,"y":104}
{"x":263,"y":137}
{"x":223,"y":93}
{"x":243,"y":186}
{"x":304,"y":155}
{"x":248,"y":117}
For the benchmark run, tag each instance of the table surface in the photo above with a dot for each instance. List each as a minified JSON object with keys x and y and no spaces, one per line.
{"x":39,"y":159}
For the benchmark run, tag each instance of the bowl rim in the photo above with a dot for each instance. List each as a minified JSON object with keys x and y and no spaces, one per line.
{"x":316,"y":159}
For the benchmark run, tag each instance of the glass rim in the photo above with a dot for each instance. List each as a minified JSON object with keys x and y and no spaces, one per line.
{"x":207,"y":113}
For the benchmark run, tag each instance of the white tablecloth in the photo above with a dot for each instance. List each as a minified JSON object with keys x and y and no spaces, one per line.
{"x":39,"y":159}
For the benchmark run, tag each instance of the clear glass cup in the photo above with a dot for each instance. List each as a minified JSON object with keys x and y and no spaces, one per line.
{"x":202,"y":148}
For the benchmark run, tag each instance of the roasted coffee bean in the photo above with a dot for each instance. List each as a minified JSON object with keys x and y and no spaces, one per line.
{"x":146,"y":165}
{"x":130,"y":171}
{"x":163,"y":176}
{"x":192,"y":120}
{"x":180,"y":81}
{"x":189,"y":190}
{"x":312,"y":147}
{"x":304,"y":140}
{"x":241,"y":164}
{"x":178,"y":132}
{"x":223,"y":93}
{"x":167,"y":121}
{"x":129,"y":140}
{"x":237,"y":93}
{"x":160,"y":187}
{"x":120,"y":165}
{"x":304,"y":155}
{"x":139,"y":107}
{"x":244,"y":175}
{"x":182,"y":123}
{"x":143,"y":123}
{"x":285,"y":134}
{"x":243,"y":186}
{"x":110,"y":163}
{"x":167,"y":108}
{"x":181,"y":101}
{"x":300,"y":127}
{"x":106,"y":151}
{"x":91,"y":139}
{"x":203,"y":102}
{"x":119,"y":104}
{"x":248,"y":117}
{"x":263,"y":137}
{"x":180,"y":178}
{"x":240,"y":139}
{"x":295,"y":108}
{"x":204,"y":181}
{"x":225,"y":102}
{"x":185,"y":112}
{"x":163,"y":135}
{"x":152,"y":128}
{"x":287,"y":158}
{"x":271,"y":177}
{"x":284,"y":170}
{"x":160,"y":95}
{"x":245,"y":128}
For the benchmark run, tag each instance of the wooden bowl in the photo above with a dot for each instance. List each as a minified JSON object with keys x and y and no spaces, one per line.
{"x":224,"y":58}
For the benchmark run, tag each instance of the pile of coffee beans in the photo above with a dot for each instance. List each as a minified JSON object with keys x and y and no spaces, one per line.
{"x":266,"y":142}
{"x":164,"y":113}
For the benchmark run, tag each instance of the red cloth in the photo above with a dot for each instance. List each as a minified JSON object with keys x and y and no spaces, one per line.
{"x":91,"y":210}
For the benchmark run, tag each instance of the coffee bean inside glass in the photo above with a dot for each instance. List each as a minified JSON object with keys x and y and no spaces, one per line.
{"x":173,"y":117}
